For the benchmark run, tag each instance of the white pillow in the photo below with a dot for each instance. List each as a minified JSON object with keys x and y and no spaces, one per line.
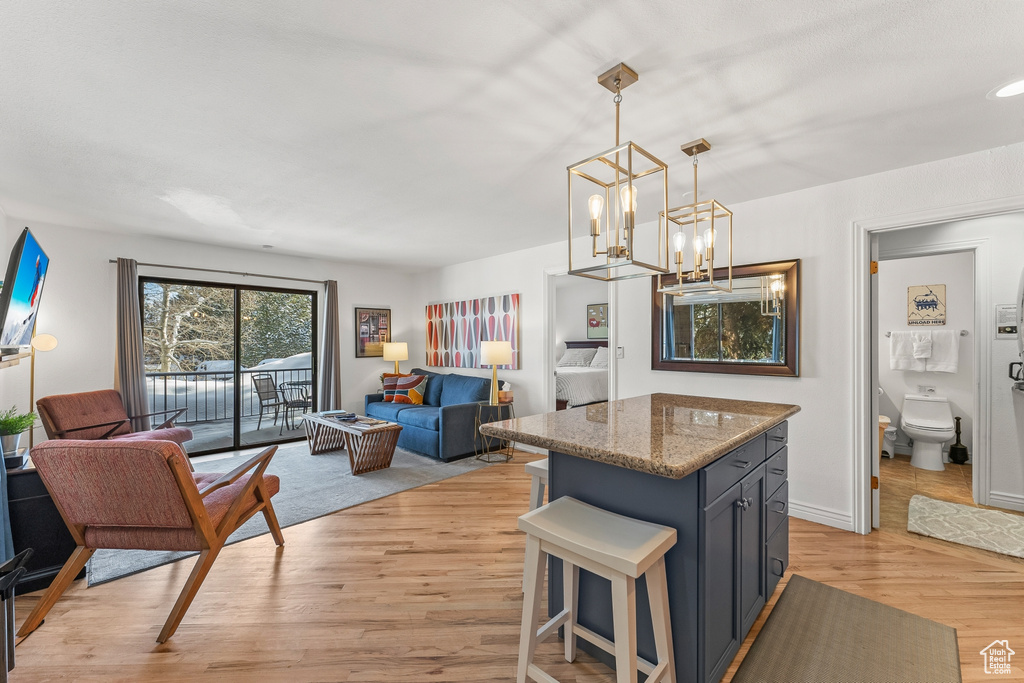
{"x":576,"y":358}
{"x":600,"y":358}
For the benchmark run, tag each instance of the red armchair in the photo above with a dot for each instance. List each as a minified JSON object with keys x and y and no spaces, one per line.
{"x":101,"y":415}
{"x":143,"y":495}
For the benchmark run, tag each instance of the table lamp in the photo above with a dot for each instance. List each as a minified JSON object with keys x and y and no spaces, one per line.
{"x":40,"y":342}
{"x":495,"y":353}
{"x":396,"y":351}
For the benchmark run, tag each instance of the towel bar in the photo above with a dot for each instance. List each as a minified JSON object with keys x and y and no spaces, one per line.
{"x":963,"y":333}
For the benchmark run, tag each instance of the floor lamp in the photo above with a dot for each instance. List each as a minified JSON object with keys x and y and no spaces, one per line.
{"x":495,"y":353}
{"x":40,"y":342}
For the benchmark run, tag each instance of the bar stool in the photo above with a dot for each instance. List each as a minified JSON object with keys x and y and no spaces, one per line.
{"x":538,"y":471}
{"x":615,"y":547}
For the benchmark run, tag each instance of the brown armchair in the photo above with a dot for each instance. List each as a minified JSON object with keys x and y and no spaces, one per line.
{"x":101,"y":415}
{"x":143,"y":495}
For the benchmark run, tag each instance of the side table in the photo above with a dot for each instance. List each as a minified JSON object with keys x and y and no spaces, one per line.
{"x":489,"y":445}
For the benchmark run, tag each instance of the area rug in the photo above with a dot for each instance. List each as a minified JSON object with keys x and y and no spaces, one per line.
{"x":992,"y":530}
{"x":817,"y":633}
{"x":311,"y":486}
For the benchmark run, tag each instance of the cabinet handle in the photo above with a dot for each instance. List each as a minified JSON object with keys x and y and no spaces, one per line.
{"x":742,"y":464}
{"x":743,"y":503}
{"x":781,"y":508}
{"x":775,"y":437}
{"x":778,"y":470}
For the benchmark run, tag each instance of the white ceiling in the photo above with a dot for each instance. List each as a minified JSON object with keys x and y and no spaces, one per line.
{"x":428,"y":133}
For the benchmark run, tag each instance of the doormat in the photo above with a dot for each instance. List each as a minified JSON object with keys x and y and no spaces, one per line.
{"x":817,"y":633}
{"x":999,"y":532}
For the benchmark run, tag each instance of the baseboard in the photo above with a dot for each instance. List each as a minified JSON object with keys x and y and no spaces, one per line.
{"x":1010,"y":501}
{"x":821,"y":515}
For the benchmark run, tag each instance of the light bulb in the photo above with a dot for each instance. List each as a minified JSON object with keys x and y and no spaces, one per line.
{"x":709,"y":238}
{"x":776,"y":286}
{"x":698,"y":245}
{"x":596,"y":203}
{"x":680,"y":240}
{"x":628,"y":194}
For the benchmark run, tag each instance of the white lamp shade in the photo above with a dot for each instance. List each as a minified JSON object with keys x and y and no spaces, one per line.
{"x":44,"y":342}
{"x":396,"y":351}
{"x":495,"y":353}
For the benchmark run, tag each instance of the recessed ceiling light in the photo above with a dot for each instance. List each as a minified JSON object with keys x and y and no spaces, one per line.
{"x":1008,"y":89}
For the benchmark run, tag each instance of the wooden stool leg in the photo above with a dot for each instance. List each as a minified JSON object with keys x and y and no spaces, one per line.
{"x":570,"y":599}
{"x":57,"y":587}
{"x":536,"y":492}
{"x":657,"y":594}
{"x":624,"y":620}
{"x":535,"y":561}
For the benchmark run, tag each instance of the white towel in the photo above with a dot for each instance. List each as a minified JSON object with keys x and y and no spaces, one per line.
{"x":945,"y":355}
{"x":923,"y":344}
{"x":901,"y":352}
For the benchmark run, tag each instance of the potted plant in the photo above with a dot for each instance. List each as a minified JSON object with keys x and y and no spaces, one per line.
{"x":12,"y":424}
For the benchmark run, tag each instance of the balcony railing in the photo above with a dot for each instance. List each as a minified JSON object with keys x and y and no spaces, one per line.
{"x":210,"y":396}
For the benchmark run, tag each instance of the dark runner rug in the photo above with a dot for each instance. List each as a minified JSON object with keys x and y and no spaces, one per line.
{"x":821,"y":634}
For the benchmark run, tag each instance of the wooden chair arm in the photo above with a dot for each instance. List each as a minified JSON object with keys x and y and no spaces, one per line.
{"x":113,"y":428}
{"x":234,"y":475}
{"x":169,"y":422}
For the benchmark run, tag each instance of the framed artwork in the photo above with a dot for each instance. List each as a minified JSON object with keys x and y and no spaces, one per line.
{"x":597,"y":321}
{"x":373,"y":328}
{"x":455,"y":330}
{"x":926,"y":305}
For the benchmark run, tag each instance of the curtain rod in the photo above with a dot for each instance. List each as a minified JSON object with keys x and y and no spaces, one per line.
{"x":228,"y":272}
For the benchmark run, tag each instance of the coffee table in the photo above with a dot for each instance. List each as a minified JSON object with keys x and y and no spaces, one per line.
{"x":368,"y":449}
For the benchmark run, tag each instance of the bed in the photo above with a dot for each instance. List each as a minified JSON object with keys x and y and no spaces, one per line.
{"x":580,"y":385}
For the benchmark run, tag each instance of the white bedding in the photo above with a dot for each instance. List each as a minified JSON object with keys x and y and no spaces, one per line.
{"x":579,"y":386}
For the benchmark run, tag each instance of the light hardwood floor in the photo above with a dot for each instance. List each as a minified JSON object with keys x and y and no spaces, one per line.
{"x":425,"y":586}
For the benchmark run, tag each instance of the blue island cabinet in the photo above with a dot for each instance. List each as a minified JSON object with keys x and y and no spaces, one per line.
{"x":732,"y":547}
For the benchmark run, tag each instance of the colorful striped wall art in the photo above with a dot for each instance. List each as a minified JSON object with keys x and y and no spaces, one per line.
{"x":455,"y":330}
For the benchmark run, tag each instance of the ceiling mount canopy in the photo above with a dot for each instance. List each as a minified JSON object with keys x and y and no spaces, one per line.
{"x":711,"y":223}
{"x":618,"y":201}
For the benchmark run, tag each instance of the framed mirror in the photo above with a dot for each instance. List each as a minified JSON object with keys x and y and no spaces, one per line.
{"x":753,"y":330}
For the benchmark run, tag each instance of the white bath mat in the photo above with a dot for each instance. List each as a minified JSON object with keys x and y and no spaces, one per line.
{"x":992,"y":530}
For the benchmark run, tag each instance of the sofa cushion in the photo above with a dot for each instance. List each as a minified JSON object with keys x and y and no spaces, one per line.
{"x":427,"y":417}
{"x":463,"y":389}
{"x":435,"y":383}
{"x":391,"y":385}
{"x":386,"y":411}
{"x":410,"y":389}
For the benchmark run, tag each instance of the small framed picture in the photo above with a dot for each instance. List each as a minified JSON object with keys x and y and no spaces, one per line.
{"x":926,"y":305}
{"x":373,"y":328}
{"x":597,"y":321}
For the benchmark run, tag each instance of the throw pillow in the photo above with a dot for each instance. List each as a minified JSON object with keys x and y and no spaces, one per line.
{"x":391,"y":386}
{"x":411,"y":389}
{"x":576,"y":358}
{"x":600,"y":358}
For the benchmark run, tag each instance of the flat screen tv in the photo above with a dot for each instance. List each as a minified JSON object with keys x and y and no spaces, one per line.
{"x":19,"y":297}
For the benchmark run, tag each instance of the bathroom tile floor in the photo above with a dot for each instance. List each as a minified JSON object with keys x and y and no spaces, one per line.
{"x":899,"y":481}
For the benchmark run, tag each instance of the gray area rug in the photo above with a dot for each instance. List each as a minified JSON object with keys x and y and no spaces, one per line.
{"x":311,"y":486}
{"x":819,"y":634}
{"x":992,"y":530}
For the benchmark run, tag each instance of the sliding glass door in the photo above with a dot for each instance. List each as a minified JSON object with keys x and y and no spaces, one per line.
{"x":241,"y":360}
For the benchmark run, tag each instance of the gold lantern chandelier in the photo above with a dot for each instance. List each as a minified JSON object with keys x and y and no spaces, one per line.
{"x":773,"y":288}
{"x":711,"y":224}
{"x":618,"y":201}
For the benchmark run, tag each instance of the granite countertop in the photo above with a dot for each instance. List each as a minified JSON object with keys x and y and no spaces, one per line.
{"x":669,"y":435}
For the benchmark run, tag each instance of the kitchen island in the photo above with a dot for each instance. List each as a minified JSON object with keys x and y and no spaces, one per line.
{"x":713,"y":469}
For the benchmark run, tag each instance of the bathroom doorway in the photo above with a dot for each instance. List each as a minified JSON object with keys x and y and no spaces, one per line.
{"x":925,"y":310}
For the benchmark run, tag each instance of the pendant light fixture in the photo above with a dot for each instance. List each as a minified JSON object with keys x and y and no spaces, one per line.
{"x":618,"y":201}
{"x":773,"y":287}
{"x":711,"y":224}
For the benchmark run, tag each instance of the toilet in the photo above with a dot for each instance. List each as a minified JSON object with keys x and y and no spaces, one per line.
{"x":927,"y":420}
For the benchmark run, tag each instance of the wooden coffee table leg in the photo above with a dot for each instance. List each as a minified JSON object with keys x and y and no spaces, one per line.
{"x":372,"y":450}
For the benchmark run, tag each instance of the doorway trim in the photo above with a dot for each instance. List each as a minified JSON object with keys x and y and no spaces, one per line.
{"x":865,"y":416}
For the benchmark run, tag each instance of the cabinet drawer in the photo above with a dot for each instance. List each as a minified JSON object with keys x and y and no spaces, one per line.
{"x":777,"y":509}
{"x":776,"y":470}
{"x":719,"y":476}
{"x":778,"y":556}
{"x":778,"y":436}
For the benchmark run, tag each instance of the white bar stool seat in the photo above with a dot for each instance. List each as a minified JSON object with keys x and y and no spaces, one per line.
{"x":618,"y":548}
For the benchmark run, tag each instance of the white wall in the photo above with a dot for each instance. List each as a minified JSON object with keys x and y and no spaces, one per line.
{"x":572,"y":296}
{"x":999,"y":266}
{"x":956,"y":271}
{"x":815,"y":225}
{"x":78,"y":304}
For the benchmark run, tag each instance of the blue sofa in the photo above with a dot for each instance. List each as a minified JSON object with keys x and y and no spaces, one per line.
{"x":445,"y":425}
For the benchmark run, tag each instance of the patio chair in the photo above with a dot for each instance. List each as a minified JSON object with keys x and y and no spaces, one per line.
{"x":269,"y":395}
{"x":101,"y":415}
{"x":143,"y":495}
{"x":296,"y":398}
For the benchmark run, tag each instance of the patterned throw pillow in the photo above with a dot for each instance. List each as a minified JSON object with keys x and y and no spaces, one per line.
{"x":410,"y":389}
{"x":576,"y":358}
{"x":391,"y":386}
